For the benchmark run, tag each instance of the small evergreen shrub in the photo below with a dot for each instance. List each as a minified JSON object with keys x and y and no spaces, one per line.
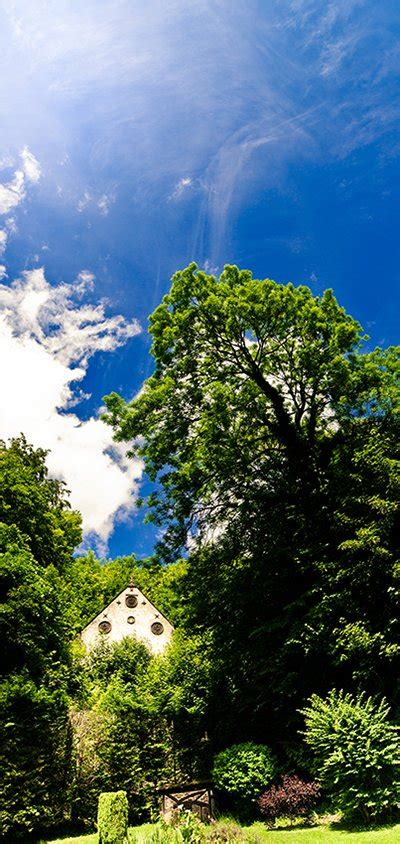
{"x":112,"y":817}
{"x":292,"y":799}
{"x":243,"y":769}
{"x":357,"y":753}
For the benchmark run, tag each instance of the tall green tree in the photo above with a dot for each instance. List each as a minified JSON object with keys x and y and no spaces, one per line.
{"x":38,"y":532}
{"x":37,"y":504}
{"x":272,"y":439}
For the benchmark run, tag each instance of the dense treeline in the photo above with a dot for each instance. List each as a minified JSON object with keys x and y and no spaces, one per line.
{"x":272,"y":440}
{"x":73,"y":725}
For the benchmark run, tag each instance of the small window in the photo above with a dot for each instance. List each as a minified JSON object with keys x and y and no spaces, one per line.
{"x":157,"y":628}
{"x":131,"y":601}
{"x":105,"y":626}
{"x":131,"y":619}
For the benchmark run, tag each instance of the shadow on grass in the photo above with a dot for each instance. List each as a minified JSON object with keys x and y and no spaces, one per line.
{"x":355,"y":825}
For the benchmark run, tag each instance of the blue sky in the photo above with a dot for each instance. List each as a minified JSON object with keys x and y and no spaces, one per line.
{"x":136,"y":137}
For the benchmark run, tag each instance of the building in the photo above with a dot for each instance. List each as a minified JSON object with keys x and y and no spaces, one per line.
{"x":129,"y":614}
{"x":197,"y":797}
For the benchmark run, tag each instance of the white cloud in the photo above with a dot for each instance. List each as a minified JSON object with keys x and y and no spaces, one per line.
{"x":84,"y":201}
{"x":47,"y":337}
{"x":104,"y":203}
{"x":11,"y":225}
{"x":30,"y":165}
{"x":181,"y":187}
{"x":3,"y":271}
{"x":6,"y":162}
{"x":3,"y":241}
{"x":13,"y":192}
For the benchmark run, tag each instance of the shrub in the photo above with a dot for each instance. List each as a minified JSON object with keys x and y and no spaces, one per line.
{"x":229,"y":833}
{"x":165,"y":834}
{"x":357,"y":753}
{"x":191,"y":828}
{"x":112,"y":818}
{"x":294,"y":798}
{"x":243,"y":769}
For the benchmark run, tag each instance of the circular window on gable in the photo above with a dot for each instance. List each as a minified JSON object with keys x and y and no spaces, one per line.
{"x":105,"y":626}
{"x":157,"y":628}
{"x":131,"y":619}
{"x":131,"y":601}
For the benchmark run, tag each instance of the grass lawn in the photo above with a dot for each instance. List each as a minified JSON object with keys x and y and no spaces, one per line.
{"x":327,"y":835}
{"x":315,"y":835}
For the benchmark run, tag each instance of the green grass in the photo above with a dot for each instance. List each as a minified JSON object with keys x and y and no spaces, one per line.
{"x":81,"y":839}
{"x":327,"y":835}
{"x":315,"y":835}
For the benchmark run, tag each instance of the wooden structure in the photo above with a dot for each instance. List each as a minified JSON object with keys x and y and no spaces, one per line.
{"x":197,"y":797}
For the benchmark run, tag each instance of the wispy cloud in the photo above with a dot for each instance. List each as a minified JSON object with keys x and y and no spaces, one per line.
{"x":3,"y":241}
{"x":181,"y":187}
{"x":30,"y":166}
{"x":91,"y":199}
{"x":13,"y":192}
{"x":47,"y":337}
{"x":104,"y":203}
{"x":303,"y":78}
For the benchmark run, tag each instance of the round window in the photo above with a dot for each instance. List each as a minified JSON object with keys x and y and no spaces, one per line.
{"x":157,"y":628}
{"x":131,"y":619}
{"x":131,"y":601}
{"x":105,"y":627}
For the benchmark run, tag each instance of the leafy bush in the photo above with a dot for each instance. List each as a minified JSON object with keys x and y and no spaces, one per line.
{"x":357,"y":752}
{"x":244,"y":769}
{"x":165,"y":834}
{"x":112,"y":818}
{"x":294,"y":798}
{"x":191,"y":828}
{"x":229,"y":833}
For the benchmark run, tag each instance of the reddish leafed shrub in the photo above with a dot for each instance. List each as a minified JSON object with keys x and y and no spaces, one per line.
{"x":294,"y":798}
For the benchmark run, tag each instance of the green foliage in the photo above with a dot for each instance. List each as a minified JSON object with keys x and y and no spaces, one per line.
{"x":184,"y":826}
{"x":91,"y":584}
{"x":178,"y":688}
{"x":357,"y":753}
{"x":35,"y":754}
{"x":112,"y":817}
{"x":119,"y":743}
{"x":37,"y":533}
{"x":273,"y":443}
{"x":163,"y":833}
{"x":36,"y":504}
{"x":140,"y":721}
{"x":187,"y":827}
{"x":216,"y":344}
{"x":191,"y":828}
{"x":229,"y":832}
{"x":32,"y":628}
{"x":244,"y":769}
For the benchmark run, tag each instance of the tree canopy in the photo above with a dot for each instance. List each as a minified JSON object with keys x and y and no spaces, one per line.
{"x":272,"y":439}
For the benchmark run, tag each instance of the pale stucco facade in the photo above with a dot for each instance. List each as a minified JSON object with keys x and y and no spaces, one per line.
{"x":129,"y":614}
